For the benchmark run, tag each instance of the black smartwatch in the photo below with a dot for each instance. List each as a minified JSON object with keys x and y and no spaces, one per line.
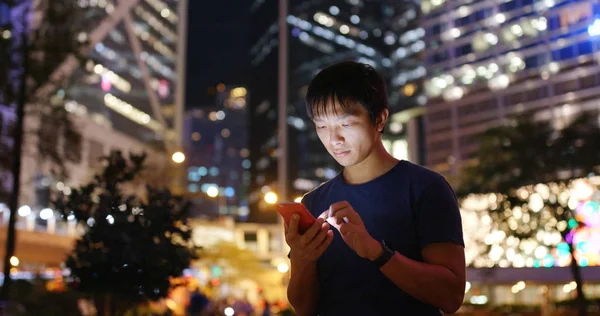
{"x":385,"y":256}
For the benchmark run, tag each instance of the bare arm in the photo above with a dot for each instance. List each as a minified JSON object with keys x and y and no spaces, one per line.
{"x":439,"y":281}
{"x":303,"y":289}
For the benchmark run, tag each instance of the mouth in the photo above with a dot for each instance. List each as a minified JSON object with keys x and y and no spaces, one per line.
{"x":341,"y":153}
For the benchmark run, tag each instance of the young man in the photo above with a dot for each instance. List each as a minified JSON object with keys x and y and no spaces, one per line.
{"x":397,"y":247}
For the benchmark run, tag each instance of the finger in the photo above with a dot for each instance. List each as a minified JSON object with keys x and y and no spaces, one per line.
{"x":320,"y":237}
{"x":346,"y":228}
{"x":348,"y":213}
{"x":293,"y":227}
{"x":312,"y":231}
{"x":286,"y":228}
{"x":324,"y":215}
{"x":332,"y":221}
{"x":328,"y":239}
{"x":337,"y":206}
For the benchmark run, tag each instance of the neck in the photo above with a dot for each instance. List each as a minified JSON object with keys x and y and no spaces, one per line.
{"x":376,"y":164}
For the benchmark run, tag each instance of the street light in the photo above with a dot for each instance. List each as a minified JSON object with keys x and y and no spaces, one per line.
{"x":271,"y":197}
{"x":14,"y":261}
{"x":283,"y":267}
{"x":178,"y":157}
{"x":212,"y":191}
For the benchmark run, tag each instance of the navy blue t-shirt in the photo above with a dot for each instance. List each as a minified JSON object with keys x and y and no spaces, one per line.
{"x":409,"y":207}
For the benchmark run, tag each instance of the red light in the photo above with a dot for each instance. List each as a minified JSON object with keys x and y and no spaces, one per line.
{"x":215,"y":282}
{"x":163,"y":88}
{"x":105,"y":84}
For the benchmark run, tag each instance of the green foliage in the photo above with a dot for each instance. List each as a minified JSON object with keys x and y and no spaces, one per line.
{"x":30,"y":298}
{"x":528,"y":152}
{"x":530,"y":157}
{"x":530,"y":167}
{"x":133,"y":243}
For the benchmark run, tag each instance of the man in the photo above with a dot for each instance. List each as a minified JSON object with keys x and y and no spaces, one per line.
{"x":397,"y":247}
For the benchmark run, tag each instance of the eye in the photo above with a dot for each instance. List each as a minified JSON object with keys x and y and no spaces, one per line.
{"x":321,"y":127}
{"x":346,"y":124}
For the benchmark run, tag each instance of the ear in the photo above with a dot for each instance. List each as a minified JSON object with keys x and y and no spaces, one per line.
{"x":381,"y":119}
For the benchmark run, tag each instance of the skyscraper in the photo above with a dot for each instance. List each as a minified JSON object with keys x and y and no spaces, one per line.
{"x":384,"y":35}
{"x":215,"y":142}
{"x":131,"y":79}
{"x":123,"y":88}
{"x":490,"y":61}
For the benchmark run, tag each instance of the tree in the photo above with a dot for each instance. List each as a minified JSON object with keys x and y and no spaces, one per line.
{"x":29,"y":55}
{"x":535,"y":172}
{"x":133,"y":244}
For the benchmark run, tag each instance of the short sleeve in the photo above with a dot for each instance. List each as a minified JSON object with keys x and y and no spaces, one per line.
{"x":438,"y":215}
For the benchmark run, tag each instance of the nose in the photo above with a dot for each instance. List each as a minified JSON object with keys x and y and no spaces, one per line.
{"x":335,"y":138}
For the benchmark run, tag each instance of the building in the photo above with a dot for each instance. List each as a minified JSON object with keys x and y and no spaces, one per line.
{"x":125,"y":95}
{"x":215,"y":142}
{"x":490,"y":61}
{"x":125,"y":92}
{"x":383,"y":34}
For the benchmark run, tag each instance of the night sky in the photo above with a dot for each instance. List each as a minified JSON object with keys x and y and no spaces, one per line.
{"x":217,"y":47}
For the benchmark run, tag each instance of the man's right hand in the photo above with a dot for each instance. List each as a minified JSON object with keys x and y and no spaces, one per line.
{"x":308,"y":247}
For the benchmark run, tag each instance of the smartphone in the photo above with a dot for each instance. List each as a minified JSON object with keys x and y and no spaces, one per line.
{"x":287,"y":209}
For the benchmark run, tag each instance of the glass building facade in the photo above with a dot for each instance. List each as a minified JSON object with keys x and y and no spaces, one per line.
{"x":131,"y":79}
{"x":216,"y":149}
{"x":492,"y":60}
{"x":383,"y":34}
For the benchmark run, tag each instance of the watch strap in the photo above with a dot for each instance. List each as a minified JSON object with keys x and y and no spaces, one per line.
{"x":385,"y":256}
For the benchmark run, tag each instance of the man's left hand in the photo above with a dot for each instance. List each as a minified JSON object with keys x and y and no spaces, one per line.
{"x":353,"y":231}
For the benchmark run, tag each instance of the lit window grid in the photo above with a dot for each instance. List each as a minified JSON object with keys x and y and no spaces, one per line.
{"x":311,"y":41}
{"x":158,"y":66}
{"x":506,"y":61}
{"x":153,"y":21}
{"x":131,"y":112}
{"x":488,"y":246}
{"x":460,"y":10}
{"x":114,"y":79}
{"x":406,"y":76}
{"x":159,"y":6}
{"x":530,"y":34}
{"x":327,"y":22}
{"x":507,"y":17}
{"x":266,"y":50}
{"x":563,"y":76}
{"x":329,"y":35}
{"x":107,"y":5}
{"x":262,"y":48}
{"x":402,"y":52}
{"x":428,"y":6}
{"x":331,"y":22}
{"x":108,"y":53}
{"x":154,"y":42}
{"x":525,"y":29}
{"x":262,"y":41}
{"x":524,"y":42}
{"x":74,"y":107}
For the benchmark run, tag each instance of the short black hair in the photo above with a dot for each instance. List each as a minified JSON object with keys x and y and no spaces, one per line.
{"x":346,"y":83}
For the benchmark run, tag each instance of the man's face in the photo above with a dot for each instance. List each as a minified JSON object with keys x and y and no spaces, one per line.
{"x":349,"y":136}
